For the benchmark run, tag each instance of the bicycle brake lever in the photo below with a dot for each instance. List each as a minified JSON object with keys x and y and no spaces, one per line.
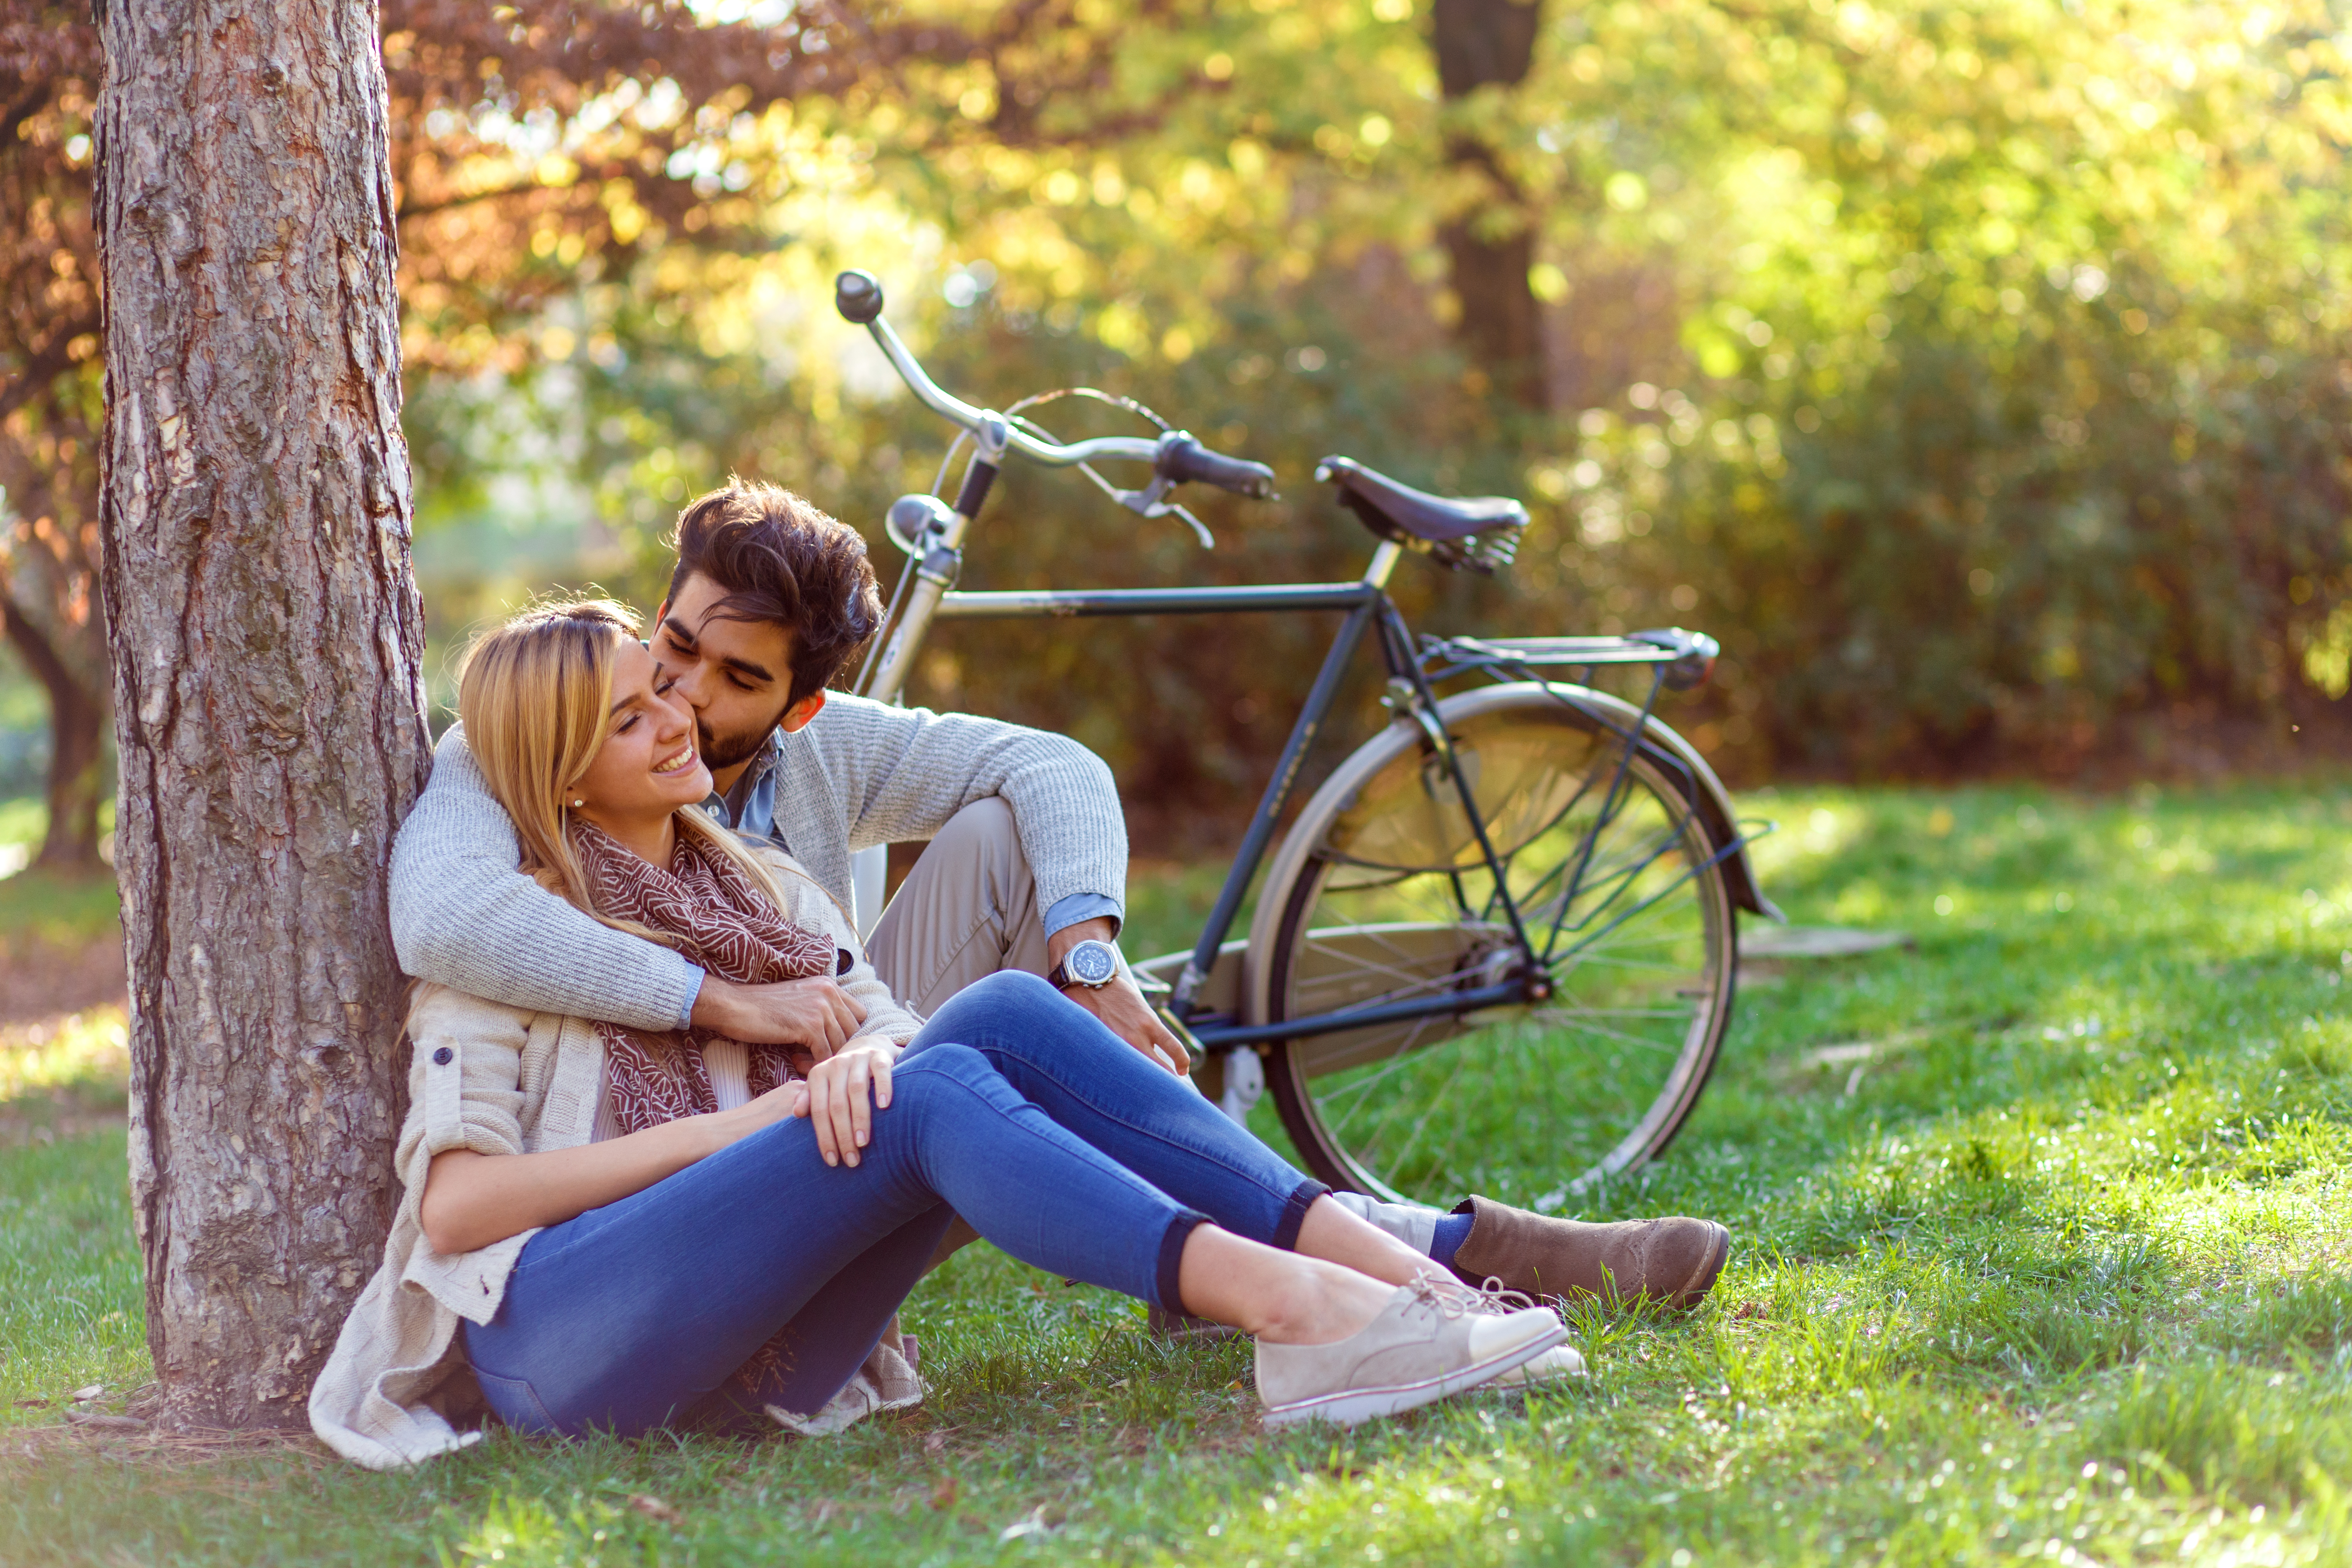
{"x":1200,"y":529}
{"x":1151,"y":501}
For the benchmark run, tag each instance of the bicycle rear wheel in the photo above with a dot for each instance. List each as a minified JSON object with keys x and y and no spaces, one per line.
{"x":1383,"y":896}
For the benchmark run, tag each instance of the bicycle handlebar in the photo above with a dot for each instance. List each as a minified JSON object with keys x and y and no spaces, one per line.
{"x":1181,"y":459}
{"x":1175,"y":457}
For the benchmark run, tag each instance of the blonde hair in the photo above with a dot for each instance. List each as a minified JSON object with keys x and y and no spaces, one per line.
{"x":534,"y":696}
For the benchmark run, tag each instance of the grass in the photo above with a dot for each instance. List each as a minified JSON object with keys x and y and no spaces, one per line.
{"x":2042,"y":1253}
{"x":38,"y":907}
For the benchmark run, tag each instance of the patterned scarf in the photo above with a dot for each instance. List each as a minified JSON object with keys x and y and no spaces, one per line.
{"x":722,"y":921}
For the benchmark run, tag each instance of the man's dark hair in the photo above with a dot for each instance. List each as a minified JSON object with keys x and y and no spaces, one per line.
{"x":781,"y":560}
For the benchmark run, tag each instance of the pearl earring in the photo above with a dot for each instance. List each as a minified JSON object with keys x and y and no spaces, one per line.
{"x":579,"y":802}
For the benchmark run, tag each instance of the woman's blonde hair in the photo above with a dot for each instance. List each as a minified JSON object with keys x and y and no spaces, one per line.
{"x":534,"y":696}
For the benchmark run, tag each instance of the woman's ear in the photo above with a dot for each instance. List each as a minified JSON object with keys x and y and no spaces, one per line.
{"x":801,"y":713}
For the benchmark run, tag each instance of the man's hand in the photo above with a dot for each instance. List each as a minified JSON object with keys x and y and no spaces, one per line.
{"x":841,"y":1095}
{"x":1120,"y":1004}
{"x":816,"y":1013}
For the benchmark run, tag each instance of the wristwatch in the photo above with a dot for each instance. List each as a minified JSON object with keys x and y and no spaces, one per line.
{"x":1093,"y":964}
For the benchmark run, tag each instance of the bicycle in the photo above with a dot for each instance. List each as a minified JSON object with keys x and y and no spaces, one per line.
{"x":1504,"y":922}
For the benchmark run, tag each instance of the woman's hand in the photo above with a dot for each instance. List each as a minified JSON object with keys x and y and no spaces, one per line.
{"x":841,"y":1094}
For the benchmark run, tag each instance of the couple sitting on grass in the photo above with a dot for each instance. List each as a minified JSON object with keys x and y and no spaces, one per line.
{"x":678,"y":1144}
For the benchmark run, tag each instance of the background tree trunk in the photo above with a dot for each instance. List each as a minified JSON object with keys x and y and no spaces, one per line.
{"x":268,"y":648}
{"x":1490,"y":246}
{"x":77,"y":781}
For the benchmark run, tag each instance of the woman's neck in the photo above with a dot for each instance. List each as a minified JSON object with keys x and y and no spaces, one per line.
{"x":653,"y":839}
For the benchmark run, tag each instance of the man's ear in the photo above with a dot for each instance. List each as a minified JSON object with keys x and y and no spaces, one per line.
{"x":661,"y":613}
{"x":799,"y":713}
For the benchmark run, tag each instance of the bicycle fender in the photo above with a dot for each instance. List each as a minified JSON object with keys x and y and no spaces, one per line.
{"x":1699,"y":783}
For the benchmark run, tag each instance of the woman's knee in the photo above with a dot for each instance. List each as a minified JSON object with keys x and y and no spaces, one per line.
{"x":1006,"y":1005}
{"x":1015,"y":989}
{"x":937,"y":1067}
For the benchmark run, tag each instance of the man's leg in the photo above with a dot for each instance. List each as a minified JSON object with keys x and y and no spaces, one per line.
{"x":966,"y":910}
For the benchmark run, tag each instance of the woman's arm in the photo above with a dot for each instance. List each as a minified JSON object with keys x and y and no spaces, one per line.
{"x":472,"y":1199}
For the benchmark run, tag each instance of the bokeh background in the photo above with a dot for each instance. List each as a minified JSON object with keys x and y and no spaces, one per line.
{"x":1976,"y":373}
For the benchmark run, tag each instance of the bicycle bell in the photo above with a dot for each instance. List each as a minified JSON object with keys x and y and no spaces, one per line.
{"x":912,"y":520}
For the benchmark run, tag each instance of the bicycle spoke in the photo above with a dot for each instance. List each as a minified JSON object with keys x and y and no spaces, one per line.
{"x":1611,"y":879}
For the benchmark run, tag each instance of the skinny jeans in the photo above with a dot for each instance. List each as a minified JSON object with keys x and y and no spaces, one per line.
{"x":1014,"y":1107}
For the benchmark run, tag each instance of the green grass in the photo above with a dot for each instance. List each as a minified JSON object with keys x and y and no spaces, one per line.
{"x":2059,"y":1274}
{"x":37,"y":907}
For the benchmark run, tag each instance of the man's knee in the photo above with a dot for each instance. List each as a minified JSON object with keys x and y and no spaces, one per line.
{"x":981,"y":833}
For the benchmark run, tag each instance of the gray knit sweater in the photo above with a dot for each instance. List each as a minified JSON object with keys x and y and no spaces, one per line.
{"x":860,"y":773}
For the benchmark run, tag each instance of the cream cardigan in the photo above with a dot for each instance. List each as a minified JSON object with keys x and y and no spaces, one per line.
{"x":506,"y":1080}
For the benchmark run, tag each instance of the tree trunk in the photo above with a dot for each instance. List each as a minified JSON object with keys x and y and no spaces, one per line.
{"x":268,"y":649}
{"x":1491,"y":246}
{"x":76,"y":750}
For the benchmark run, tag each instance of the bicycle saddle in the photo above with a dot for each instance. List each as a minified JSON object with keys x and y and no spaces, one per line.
{"x":1474,"y":532}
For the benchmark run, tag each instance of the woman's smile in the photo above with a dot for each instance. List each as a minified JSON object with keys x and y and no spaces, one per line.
{"x":684,"y":759}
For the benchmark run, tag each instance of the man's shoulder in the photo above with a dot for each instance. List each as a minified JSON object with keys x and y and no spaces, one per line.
{"x":845,"y":715}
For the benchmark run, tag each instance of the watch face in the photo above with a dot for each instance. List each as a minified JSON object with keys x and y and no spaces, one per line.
{"x":1092,"y":963}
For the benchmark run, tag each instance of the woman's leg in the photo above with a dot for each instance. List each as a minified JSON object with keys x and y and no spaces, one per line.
{"x":815,"y":1355}
{"x":1059,"y":1056}
{"x":630,"y":1314}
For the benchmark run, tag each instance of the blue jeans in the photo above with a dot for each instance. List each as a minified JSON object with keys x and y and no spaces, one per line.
{"x":1015,"y":1108}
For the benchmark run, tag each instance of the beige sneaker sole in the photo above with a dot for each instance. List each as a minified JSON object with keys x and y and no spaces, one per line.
{"x":1555,"y":1365}
{"x":1352,"y":1405}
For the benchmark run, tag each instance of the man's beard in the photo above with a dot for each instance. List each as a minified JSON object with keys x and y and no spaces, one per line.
{"x":721,"y":751}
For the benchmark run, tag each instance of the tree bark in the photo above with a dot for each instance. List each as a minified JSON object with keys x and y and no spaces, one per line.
{"x":1491,"y":246}
{"x":268,"y":650}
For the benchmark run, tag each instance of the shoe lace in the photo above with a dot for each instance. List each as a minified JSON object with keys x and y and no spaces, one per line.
{"x":1452,"y":1299}
{"x":1496,"y":1301}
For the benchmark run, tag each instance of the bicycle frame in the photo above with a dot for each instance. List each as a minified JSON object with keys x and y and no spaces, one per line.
{"x":934,"y":536}
{"x":1366,"y":606}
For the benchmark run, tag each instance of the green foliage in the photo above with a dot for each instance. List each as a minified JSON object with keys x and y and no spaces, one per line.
{"x":2039,"y":1251}
{"x":2022,"y":408}
{"x":1974,"y":374}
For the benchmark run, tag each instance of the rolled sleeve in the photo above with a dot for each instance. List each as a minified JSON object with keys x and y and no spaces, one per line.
{"x":464,"y":1077}
{"x":1068,"y":911}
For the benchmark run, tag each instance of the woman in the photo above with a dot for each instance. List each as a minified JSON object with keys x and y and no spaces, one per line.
{"x":616,"y":1231}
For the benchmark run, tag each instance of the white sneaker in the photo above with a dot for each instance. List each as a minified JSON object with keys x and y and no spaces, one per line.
{"x":1558,"y":1362}
{"x":1555,"y":1364}
{"x":1433,"y":1338}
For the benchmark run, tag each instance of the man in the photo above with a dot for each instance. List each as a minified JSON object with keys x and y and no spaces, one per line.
{"x":1026,"y":866}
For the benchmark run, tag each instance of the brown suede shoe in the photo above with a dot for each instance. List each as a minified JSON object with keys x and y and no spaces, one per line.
{"x":1673,"y":1259}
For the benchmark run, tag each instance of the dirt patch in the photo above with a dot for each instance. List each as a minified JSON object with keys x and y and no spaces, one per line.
{"x":41,"y":980}
{"x":33,"y":1444}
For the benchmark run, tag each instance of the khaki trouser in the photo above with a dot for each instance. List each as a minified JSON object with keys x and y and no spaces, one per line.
{"x":966,"y":910}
